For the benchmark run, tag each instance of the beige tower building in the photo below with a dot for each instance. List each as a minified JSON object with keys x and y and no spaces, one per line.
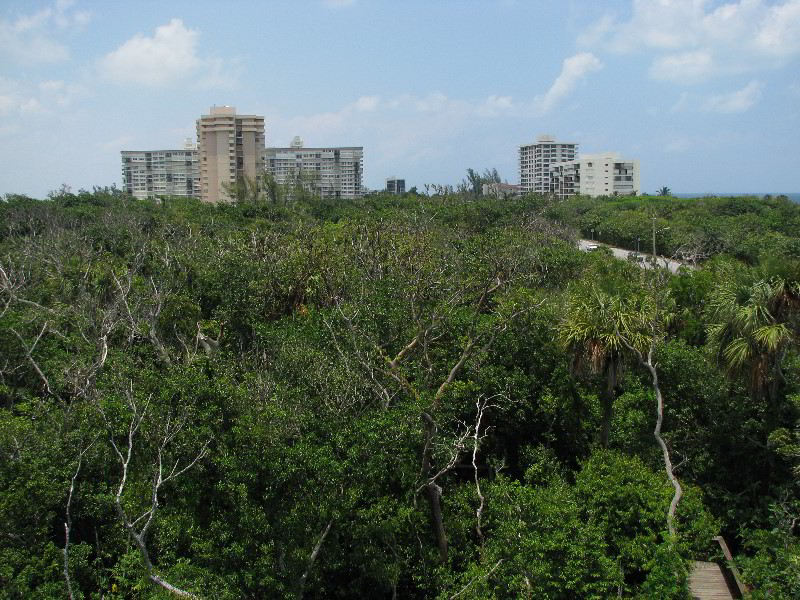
{"x":229,"y":146}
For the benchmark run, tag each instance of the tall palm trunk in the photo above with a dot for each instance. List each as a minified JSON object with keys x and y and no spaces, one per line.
{"x":771,"y":415}
{"x":773,"y":393}
{"x":609,"y":395}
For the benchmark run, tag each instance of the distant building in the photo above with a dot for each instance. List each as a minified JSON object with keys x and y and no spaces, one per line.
{"x":605,"y":174}
{"x":502,"y":190}
{"x":395,"y":186}
{"x":150,"y":173}
{"x":332,"y":172}
{"x":229,"y":146}
{"x":537,"y":159}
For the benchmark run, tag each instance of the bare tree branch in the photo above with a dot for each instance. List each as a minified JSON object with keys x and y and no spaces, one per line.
{"x":647,"y":363}
{"x":68,"y":520}
{"x":29,"y":354}
{"x":312,"y":559}
{"x":477,"y":578}
{"x":169,"y":430}
{"x":481,"y":405}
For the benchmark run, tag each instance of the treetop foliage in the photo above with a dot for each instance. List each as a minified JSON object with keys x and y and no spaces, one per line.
{"x":394,"y":397}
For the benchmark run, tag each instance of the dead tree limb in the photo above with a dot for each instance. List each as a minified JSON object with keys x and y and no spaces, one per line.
{"x":312,"y":559}
{"x":138,"y":527}
{"x":477,"y":578}
{"x":68,"y":521}
{"x":482,"y":404}
{"x":29,"y":354}
{"x":648,"y":364}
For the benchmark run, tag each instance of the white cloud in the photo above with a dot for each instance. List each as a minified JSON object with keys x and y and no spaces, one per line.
{"x":62,"y":94}
{"x":779,"y":32}
{"x":32,"y":38}
{"x":696,"y":38}
{"x":738,"y":101}
{"x":688,"y":66}
{"x":18,"y":99}
{"x":573,"y":71}
{"x":495,"y":106}
{"x":682,"y":103}
{"x":407,"y":128}
{"x":10,"y":96}
{"x":31,"y":106}
{"x":167,"y":58}
{"x":597,"y":32}
{"x":367,"y":103}
{"x":679,"y":144}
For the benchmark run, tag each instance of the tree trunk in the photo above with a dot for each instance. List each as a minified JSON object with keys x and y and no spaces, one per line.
{"x":771,"y":420}
{"x":608,"y":402}
{"x":676,"y":498}
{"x":433,"y":491}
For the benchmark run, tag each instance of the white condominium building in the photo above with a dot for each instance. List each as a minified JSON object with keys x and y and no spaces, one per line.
{"x":536,"y":161}
{"x":150,"y":173}
{"x":605,"y":174}
{"x":332,"y":172}
{"x":230,"y":146}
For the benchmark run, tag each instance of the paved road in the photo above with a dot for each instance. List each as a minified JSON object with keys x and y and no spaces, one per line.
{"x":673,"y":265}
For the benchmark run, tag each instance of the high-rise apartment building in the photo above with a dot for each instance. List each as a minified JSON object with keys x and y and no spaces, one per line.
{"x":395,"y":185}
{"x":150,"y":173}
{"x":331,"y":172}
{"x":605,"y":174}
{"x":536,"y":160}
{"x":229,"y":146}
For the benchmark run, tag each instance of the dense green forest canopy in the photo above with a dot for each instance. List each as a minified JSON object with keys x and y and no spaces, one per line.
{"x":396,"y":397}
{"x":748,"y":228}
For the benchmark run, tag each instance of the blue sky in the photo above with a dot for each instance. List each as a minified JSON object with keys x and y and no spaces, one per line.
{"x":705,"y":94}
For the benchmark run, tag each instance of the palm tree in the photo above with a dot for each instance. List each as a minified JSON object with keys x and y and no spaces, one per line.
{"x":752,"y":325}
{"x":587,"y":332}
{"x":664,"y":191}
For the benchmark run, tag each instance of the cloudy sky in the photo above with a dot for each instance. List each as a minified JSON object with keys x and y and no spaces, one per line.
{"x":705,"y":93}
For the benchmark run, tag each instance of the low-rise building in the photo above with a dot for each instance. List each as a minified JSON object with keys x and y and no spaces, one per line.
{"x":336,"y":172}
{"x":502,"y":190}
{"x":605,"y":174}
{"x":151,"y":173}
{"x":395,"y":186}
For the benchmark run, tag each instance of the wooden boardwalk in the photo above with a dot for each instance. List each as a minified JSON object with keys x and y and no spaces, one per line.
{"x":709,"y":581}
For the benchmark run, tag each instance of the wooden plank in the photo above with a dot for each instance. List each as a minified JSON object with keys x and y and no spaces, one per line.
{"x":707,"y":582}
{"x":731,"y":565}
